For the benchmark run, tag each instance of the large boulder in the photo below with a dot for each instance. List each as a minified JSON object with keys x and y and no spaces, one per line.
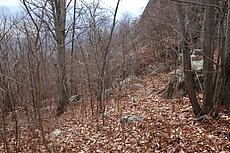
{"x":176,"y":84}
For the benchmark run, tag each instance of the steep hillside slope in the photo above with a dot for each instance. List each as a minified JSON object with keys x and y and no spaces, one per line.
{"x":157,"y":23}
{"x":163,"y":126}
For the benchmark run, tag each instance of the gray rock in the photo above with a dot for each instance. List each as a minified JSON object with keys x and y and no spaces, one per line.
{"x":135,"y":86}
{"x":176,"y":84}
{"x":180,"y":57}
{"x":107,"y":113}
{"x":130,"y":118}
{"x":196,"y":51}
{"x":75,"y":98}
{"x":55,"y":133}
{"x":193,"y":57}
{"x":197,"y":65}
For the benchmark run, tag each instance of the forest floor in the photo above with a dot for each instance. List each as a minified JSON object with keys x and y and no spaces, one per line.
{"x":166,"y":125}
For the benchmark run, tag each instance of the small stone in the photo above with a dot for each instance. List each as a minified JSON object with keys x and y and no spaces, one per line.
{"x":56,"y":133}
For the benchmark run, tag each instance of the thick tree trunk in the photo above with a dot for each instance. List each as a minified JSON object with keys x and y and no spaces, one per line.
{"x":59,"y":14}
{"x":62,"y":84}
{"x":209,"y":37}
{"x":189,"y":79}
{"x":227,"y":63}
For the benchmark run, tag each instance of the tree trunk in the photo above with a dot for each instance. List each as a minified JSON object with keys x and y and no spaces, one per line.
{"x":209,"y":37}
{"x":59,"y":14}
{"x":72,"y":87}
{"x":104,"y":63}
{"x":227,"y":63}
{"x":189,"y":79}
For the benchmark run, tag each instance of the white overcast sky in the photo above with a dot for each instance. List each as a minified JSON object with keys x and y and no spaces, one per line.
{"x":133,"y":7}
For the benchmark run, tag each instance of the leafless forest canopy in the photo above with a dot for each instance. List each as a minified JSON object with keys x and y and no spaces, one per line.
{"x":75,"y":77}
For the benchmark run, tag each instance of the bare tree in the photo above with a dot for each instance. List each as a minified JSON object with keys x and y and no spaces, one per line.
{"x":189,"y":79}
{"x":35,"y":69}
{"x":97,"y":48}
{"x":106,"y":49}
{"x":59,"y":16}
{"x":8,"y":85}
{"x":209,"y":41}
{"x":223,"y":97}
{"x":215,"y":86}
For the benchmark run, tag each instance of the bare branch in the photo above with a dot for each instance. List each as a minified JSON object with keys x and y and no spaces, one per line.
{"x":195,"y":3}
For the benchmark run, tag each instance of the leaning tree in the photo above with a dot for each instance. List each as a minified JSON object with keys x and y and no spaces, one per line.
{"x":216,"y":56}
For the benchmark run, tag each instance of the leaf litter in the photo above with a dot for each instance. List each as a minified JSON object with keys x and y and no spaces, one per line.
{"x":165,"y":126}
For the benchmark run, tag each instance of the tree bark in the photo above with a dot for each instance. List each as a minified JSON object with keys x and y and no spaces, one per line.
{"x":227,"y":63}
{"x":59,"y":15}
{"x":104,"y":62}
{"x":189,"y":79}
{"x":209,"y":37}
